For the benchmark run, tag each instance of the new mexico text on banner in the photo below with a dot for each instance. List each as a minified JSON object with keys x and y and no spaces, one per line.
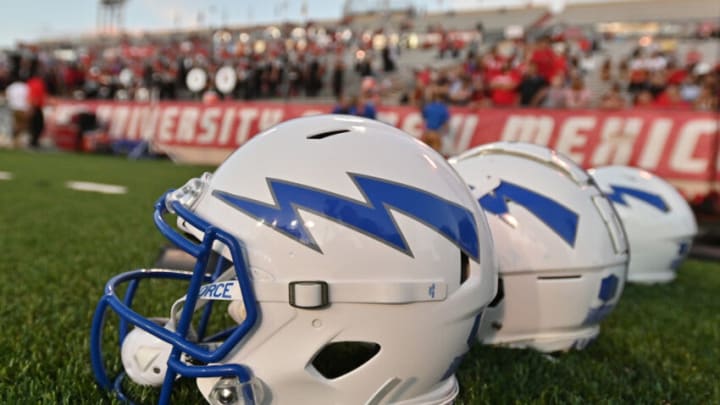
{"x":677,"y":145}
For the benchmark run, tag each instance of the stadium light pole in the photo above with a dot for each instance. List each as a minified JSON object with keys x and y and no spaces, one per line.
{"x":176,"y":18}
{"x":212,"y":10}
{"x":224,"y":17}
{"x":110,"y":15}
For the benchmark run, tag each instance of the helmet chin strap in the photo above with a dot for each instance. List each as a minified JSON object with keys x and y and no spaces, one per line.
{"x":314,"y":294}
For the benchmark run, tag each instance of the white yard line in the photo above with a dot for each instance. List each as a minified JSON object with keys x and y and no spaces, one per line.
{"x":6,"y":176}
{"x":96,"y":187}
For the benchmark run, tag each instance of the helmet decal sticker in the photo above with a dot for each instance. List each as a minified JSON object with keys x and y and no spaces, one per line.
{"x":619,"y":192}
{"x":562,"y":220}
{"x":683,"y":250}
{"x":370,"y":217}
{"x":608,"y":289}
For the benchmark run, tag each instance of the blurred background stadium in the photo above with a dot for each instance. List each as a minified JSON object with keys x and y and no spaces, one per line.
{"x":194,"y":80}
{"x":606,"y":82}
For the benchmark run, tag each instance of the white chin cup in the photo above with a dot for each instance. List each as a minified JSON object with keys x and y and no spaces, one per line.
{"x":145,"y":357}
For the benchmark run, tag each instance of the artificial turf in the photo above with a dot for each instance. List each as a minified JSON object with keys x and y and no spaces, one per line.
{"x":58,"y":247}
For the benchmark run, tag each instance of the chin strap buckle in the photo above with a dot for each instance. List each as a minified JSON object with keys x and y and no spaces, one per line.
{"x":308,"y":294}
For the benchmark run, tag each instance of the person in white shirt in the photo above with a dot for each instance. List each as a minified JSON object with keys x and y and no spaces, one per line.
{"x":17,"y":99}
{"x":657,"y":62}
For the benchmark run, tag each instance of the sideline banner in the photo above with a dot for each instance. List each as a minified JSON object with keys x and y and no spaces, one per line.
{"x":677,"y":145}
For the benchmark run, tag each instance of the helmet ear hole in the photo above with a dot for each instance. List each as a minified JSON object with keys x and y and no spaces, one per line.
{"x":464,"y":267}
{"x":339,"y":358}
{"x":500,"y":294}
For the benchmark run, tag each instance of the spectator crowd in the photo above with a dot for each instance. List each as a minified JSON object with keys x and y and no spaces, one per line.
{"x":555,"y":74}
{"x":361,"y":69}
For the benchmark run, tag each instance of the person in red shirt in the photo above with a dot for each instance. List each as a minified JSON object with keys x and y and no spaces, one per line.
{"x":675,"y":75}
{"x":545,"y":59}
{"x":693,"y":57}
{"x":503,"y":86}
{"x":37,"y":95}
{"x":423,"y":76}
{"x":671,"y":99}
{"x":492,"y":63}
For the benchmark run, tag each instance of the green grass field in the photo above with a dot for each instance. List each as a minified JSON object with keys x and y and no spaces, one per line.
{"x":59,"y":247}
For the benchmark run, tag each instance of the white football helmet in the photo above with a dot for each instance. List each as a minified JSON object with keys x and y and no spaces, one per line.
{"x":561,"y":250}
{"x":356,"y":266}
{"x":658,"y":221}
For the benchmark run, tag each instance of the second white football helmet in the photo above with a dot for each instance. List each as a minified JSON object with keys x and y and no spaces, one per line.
{"x":561,"y":250}
{"x":659,"y":222}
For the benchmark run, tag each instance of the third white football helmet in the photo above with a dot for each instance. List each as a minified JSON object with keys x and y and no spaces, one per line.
{"x":561,"y":249}
{"x":659,"y":222}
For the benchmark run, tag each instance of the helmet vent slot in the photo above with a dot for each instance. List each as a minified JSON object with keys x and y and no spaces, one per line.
{"x":339,"y":358}
{"x":327,"y":134}
{"x":569,"y":276}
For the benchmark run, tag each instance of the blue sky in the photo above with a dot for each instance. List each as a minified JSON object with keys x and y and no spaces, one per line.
{"x":32,"y":19}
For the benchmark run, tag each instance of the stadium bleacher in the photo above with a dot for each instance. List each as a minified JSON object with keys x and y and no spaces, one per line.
{"x":277,"y":62}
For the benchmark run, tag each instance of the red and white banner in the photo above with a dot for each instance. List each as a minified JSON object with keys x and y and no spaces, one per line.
{"x":680,"y":146}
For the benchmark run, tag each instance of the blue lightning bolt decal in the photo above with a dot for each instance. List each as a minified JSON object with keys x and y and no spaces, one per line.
{"x":618,"y":196}
{"x":372,"y":217}
{"x":559,"y":218}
